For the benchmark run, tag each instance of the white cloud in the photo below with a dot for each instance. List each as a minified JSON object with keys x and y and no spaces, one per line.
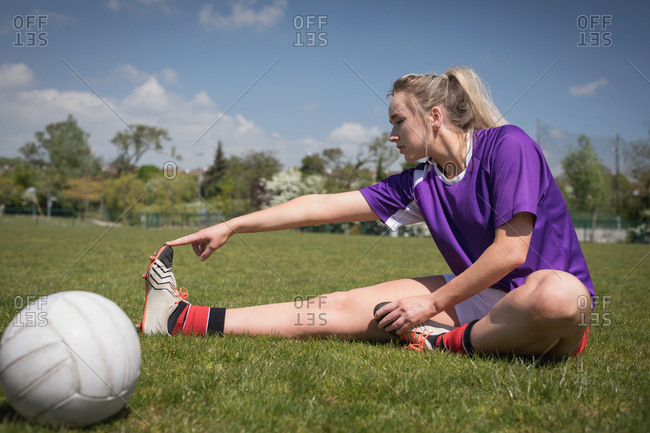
{"x":164,"y":6}
{"x":130,"y":73}
{"x":349,"y":137}
{"x":310,"y":106}
{"x":354,"y":133}
{"x":194,"y":123}
{"x":16,"y":77}
{"x":203,"y":100}
{"x":311,"y":142}
{"x":114,"y":5}
{"x":56,"y":19}
{"x":556,"y":134}
{"x":169,"y":76}
{"x":243,"y":15}
{"x":587,"y":89}
{"x":150,"y":96}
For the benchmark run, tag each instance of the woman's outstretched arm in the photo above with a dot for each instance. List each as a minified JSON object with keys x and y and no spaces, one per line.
{"x":302,"y":211}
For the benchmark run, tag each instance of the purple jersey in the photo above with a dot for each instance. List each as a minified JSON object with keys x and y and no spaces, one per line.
{"x":506,"y":174}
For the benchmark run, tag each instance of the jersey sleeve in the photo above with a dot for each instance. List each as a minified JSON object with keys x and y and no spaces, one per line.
{"x":519,"y":175}
{"x":392,"y":199}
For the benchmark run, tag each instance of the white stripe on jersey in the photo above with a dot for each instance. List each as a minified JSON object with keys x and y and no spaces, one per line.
{"x":411,"y":214}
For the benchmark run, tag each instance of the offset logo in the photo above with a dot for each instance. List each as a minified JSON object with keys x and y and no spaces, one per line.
{"x":305,"y":317}
{"x":601,"y":318}
{"x":30,"y":30}
{"x":309,"y":30}
{"x":32,"y":308}
{"x":594,"y":31}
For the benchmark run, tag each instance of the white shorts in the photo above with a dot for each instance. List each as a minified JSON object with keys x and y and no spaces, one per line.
{"x":477,"y":306}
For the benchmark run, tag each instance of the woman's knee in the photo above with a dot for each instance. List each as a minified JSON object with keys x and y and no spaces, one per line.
{"x":340,"y":301}
{"x":355,"y":301}
{"x":557,"y":296}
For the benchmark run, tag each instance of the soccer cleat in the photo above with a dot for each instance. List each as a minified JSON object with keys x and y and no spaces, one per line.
{"x":162,"y":296}
{"x":421,"y":337}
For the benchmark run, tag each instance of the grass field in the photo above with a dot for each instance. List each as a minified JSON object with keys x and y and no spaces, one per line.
{"x":268,"y":384}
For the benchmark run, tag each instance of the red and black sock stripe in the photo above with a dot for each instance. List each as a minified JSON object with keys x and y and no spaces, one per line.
{"x":196,"y":320}
{"x":457,"y":340}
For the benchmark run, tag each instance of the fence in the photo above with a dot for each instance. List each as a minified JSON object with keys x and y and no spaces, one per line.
{"x":32,"y":210}
{"x":606,"y":230}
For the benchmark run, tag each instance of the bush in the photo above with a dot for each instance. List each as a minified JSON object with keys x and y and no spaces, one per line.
{"x":639,"y":234}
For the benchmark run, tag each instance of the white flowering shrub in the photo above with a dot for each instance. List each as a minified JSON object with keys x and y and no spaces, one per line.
{"x":290,"y":184}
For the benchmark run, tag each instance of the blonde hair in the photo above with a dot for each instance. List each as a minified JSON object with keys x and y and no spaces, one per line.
{"x":466,"y":100}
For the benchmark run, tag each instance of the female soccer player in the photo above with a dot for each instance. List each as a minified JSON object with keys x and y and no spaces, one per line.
{"x":520,"y":281}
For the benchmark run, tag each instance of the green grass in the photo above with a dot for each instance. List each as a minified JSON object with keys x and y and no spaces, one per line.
{"x":269,"y":384}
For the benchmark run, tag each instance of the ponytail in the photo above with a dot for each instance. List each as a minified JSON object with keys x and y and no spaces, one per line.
{"x":460,"y":91}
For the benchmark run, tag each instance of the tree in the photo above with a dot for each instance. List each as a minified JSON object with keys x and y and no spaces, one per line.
{"x":344,"y":175}
{"x":313,"y":164}
{"x":148,"y":171}
{"x":244,"y":178}
{"x":354,"y":174}
{"x":167,"y":195}
{"x":81,"y":192}
{"x":134,"y":142}
{"x":629,"y":206}
{"x":332,"y":159}
{"x":210,"y":186}
{"x":10,"y":193}
{"x":351,"y":176}
{"x":34,"y":154}
{"x":382,"y":154}
{"x":122,"y":193}
{"x":26,"y":175}
{"x":64,"y":147}
{"x":584,"y":170}
{"x":637,"y":158}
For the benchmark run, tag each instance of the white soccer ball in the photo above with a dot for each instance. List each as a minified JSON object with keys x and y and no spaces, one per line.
{"x":70,"y":358}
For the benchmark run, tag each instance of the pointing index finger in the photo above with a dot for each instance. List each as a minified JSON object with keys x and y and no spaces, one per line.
{"x":182,"y":240}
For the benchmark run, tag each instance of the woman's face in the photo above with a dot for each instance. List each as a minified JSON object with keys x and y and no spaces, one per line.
{"x":409,"y":134}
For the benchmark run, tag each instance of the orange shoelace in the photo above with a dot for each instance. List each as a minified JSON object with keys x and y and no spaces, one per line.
{"x":416,"y":340}
{"x":182,"y":294}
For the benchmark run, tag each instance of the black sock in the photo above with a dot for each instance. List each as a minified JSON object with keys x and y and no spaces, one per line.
{"x":467,"y":342}
{"x":216,"y":320}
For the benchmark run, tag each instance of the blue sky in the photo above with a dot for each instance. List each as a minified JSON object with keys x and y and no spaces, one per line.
{"x":185,"y":65}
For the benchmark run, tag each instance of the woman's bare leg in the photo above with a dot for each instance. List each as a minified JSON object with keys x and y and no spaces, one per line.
{"x":347,"y":314}
{"x":542,"y":317}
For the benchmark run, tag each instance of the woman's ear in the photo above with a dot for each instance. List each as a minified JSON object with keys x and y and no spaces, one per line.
{"x":436,"y":117}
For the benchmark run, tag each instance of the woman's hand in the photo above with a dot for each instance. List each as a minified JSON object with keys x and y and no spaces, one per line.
{"x":206,"y":241}
{"x":405,"y":313}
